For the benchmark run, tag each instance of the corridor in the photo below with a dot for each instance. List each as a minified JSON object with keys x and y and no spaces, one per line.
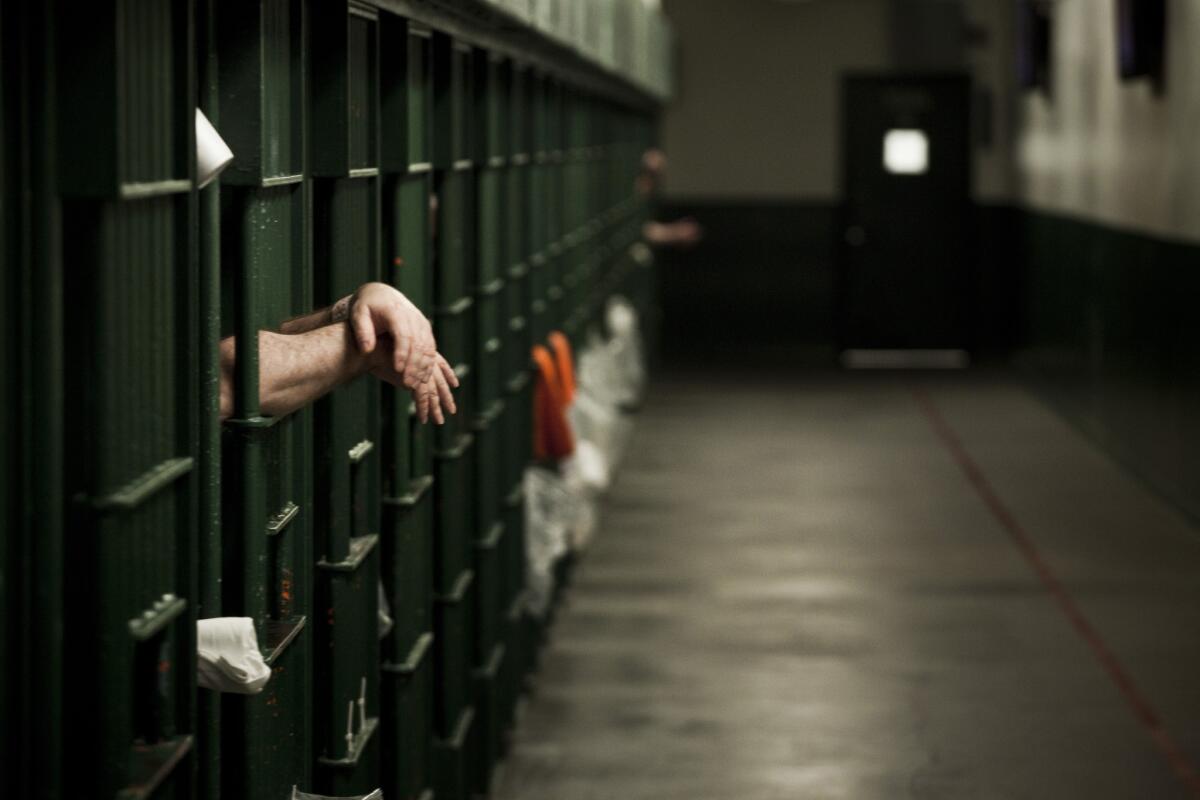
{"x":869,"y":586}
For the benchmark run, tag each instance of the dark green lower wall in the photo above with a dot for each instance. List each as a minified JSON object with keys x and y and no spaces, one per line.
{"x":1110,"y":337}
{"x":764,"y":282}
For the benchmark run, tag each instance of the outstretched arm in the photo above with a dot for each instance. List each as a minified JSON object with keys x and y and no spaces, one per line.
{"x":295,"y":370}
{"x":298,"y":369}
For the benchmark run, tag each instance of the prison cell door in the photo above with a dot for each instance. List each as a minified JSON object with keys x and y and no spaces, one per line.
{"x":904,"y":238}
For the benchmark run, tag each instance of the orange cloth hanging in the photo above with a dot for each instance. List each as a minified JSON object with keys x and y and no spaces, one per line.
{"x":552,"y":437}
{"x":565,"y":361}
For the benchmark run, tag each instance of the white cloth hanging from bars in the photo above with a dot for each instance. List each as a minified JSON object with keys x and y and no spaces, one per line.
{"x":228,"y":658}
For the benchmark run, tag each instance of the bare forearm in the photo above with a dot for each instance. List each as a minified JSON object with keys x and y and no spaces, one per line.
{"x":295,"y":370}
{"x":317,"y":319}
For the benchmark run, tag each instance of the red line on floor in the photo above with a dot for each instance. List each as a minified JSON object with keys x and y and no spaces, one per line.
{"x":1138,"y":703}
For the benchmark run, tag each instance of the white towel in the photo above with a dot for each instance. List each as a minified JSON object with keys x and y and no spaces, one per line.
{"x":299,"y":795}
{"x":228,"y":656}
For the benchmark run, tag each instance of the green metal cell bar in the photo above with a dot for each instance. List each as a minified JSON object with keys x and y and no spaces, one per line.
{"x":455,"y":740}
{"x":488,"y":274}
{"x":554,"y":202}
{"x":407,"y":667}
{"x":32,"y":502}
{"x":487,"y":283}
{"x":537,"y":211}
{"x":345,"y":147}
{"x":408,"y":544}
{"x":11,"y":592}
{"x":420,"y":97}
{"x":520,"y":250}
{"x":209,"y":544}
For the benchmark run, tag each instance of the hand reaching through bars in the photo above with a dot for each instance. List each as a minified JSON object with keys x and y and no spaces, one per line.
{"x":434,"y":397}
{"x":374,"y":330}
{"x":682,"y":233}
{"x":378,"y":309}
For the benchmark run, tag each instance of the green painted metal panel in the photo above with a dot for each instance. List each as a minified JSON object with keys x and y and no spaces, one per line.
{"x":489,"y":590}
{"x":408,"y":579}
{"x":453,"y":625}
{"x":453,"y":512}
{"x":260,"y":64}
{"x":122,"y":107}
{"x":452,"y":80}
{"x":453,"y":759}
{"x":490,"y":225}
{"x":407,"y":771}
{"x":453,"y":230}
{"x":363,"y":90}
{"x":420,"y":96}
{"x":489,"y":718}
{"x":491,"y":107}
{"x":411,"y":248}
{"x":134,"y":480}
{"x":344,"y":88}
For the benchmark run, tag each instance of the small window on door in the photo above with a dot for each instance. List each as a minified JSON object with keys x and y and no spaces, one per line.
{"x":906,"y":151}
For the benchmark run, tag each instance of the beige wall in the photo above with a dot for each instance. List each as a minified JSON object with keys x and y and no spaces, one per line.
{"x":1109,"y":151}
{"x":756,"y":112}
{"x":990,"y":61}
{"x":756,"y":115}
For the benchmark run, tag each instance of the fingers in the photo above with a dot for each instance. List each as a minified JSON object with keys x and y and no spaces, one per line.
{"x":401,"y":345}
{"x":435,"y":404}
{"x":434,"y":398}
{"x":428,"y":407}
{"x":444,"y":395}
{"x":421,"y":398}
{"x":447,"y":371}
{"x":364,"y":329}
{"x":424,"y":347}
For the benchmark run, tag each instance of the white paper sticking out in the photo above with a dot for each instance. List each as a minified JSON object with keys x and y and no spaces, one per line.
{"x":228,"y":656}
{"x":299,"y":795}
{"x":212,"y":154}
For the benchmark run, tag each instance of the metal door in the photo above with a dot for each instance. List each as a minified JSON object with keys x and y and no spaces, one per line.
{"x":905,"y":235}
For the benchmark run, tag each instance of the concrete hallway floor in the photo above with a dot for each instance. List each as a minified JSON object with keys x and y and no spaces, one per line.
{"x":797,"y":592}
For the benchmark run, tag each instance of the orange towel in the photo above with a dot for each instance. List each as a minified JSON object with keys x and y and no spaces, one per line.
{"x":552,"y":438}
{"x":565,"y":360}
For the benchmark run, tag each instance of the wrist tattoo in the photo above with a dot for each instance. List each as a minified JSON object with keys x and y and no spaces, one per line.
{"x":341,"y":309}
